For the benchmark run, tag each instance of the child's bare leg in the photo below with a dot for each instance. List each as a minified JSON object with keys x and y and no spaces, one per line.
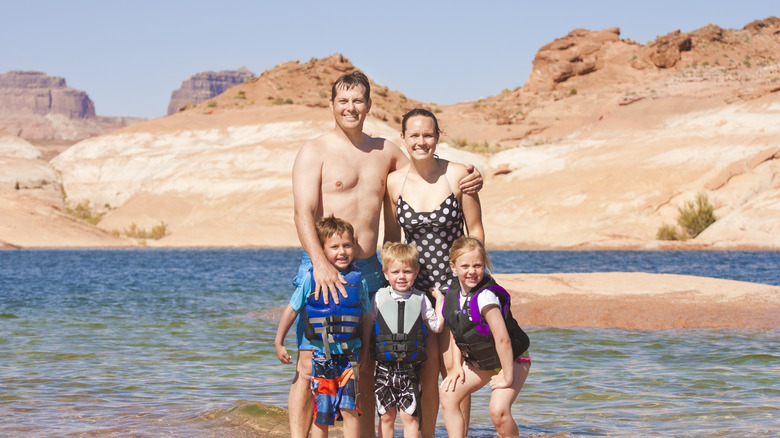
{"x":429,"y":403}
{"x":387,"y":423}
{"x":451,"y":400}
{"x":351,"y":423}
{"x":501,"y":402}
{"x":319,"y":431}
{"x":300,"y":404}
{"x":446,"y":366}
{"x":411,"y":425}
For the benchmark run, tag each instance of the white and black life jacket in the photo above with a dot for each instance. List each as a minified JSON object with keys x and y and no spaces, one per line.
{"x":399,"y":331}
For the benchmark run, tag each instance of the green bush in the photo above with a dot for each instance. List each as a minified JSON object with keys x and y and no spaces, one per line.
{"x":85,"y":212}
{"x":694,"y":218}
{"x":157,"y":233}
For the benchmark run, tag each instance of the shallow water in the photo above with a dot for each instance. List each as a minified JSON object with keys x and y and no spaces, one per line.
{"x":176,"y":342}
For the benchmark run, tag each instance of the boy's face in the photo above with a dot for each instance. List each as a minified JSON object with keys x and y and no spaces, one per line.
{"x":338,"y":249}
{"x":400,"y":275}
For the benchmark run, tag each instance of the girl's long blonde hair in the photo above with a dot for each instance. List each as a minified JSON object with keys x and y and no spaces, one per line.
{"x":465,"y":244}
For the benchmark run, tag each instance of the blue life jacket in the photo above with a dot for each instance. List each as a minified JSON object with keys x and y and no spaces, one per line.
{"x":334,"y":323}
{"x":472,"y":334}
{"x":399,"y":331}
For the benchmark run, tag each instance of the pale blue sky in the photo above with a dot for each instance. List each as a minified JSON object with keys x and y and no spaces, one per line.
{"x":129,"y":55}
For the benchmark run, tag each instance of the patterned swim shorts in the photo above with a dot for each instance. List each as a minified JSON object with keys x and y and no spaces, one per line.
{"x":333,"y":386}
{"x":395,"y":386}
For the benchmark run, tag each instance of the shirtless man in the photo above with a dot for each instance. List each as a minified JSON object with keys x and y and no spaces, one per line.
{"x":343,"y":172}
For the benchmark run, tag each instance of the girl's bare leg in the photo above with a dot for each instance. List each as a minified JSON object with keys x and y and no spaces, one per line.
{"x":501,"y":402}
{"x":446,"y":366}
{"x":451,"y":400}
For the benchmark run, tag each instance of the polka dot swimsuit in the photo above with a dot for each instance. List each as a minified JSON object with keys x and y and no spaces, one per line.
{"x":433,"y":233}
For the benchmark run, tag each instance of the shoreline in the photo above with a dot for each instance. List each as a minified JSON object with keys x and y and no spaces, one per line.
{"x":641,"y":301}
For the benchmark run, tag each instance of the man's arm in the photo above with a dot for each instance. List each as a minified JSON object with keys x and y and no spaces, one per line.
{"x":307,"y":187}
{"x":472,"y":183}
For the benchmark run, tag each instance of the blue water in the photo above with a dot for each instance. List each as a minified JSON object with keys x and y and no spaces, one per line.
{"x":179,"y":342}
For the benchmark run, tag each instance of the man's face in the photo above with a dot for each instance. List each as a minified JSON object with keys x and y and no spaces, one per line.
{"x":350,"y":107}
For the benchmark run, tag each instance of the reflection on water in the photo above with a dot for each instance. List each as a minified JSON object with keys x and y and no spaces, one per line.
{"x":156,"y":342}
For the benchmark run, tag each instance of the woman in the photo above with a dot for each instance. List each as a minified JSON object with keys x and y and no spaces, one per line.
{"x":432,"y":212}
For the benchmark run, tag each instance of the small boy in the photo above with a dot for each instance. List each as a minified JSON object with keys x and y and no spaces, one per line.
{"x":401,"y":316}
{"x":344,"y":328}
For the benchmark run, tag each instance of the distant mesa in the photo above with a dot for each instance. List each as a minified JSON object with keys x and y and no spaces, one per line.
{"x":36,"y":106}
{"x":203,"y":86}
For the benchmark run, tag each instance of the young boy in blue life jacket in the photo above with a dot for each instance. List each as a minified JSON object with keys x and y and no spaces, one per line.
{"x":402,"y":316}
{"x":338,"y":333}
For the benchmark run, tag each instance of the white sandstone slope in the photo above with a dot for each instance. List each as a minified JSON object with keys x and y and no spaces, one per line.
{"x":224,"y":181}
{"x":32,"y":210}
{"x":614,"y":187}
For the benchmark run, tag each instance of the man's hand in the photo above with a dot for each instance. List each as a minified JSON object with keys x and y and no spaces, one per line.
{"x":471,"y":183}
{"x":327,"y":279}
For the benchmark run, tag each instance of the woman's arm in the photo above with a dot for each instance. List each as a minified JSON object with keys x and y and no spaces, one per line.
{"x":492,"y":314}
{"x":392,"y":229}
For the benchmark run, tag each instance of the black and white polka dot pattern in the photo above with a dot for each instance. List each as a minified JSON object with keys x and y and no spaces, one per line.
{"x":433,"y":233}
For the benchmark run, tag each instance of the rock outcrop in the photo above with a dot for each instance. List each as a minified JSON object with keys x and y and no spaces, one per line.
{"x":32,"y":206}
{"x":203,"y":86}
{"x":34,"y":105}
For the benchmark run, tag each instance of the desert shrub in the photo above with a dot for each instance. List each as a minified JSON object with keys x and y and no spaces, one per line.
{"x":573,"y":91}
{"x":280,"y":101}
{"x":85,"y":212}
{"x":212,"y":104}
{"x":157,"y":232}
{"x":696,"y":216}
{"x":241,"y":94}
{"x":668,"y":232}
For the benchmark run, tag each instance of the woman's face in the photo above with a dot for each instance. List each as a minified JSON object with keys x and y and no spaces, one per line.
{"x":420,"y":138}
{"x":470,"y":268}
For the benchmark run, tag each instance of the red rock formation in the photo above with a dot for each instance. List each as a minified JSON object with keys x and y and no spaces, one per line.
{"x":203,"y":86}
{"x":34,"y":105}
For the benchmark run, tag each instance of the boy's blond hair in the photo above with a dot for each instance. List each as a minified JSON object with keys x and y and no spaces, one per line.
{"x":328,"y":226}
{"x":402,"y":252}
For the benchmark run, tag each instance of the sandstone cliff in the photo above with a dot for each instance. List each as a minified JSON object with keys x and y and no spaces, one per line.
{"x":32,"y":205}
{"x":34,"y":105}
{"x":607,"y":139}
{"x":203,"y":86}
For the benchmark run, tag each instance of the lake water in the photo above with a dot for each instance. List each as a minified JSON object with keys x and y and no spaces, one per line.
{"x":153,"y":342}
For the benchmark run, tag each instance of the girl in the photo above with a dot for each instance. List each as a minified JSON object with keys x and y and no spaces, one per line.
{"x":493,"y":345}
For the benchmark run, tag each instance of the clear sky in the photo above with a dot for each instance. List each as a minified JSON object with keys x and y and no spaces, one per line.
{"x":129,"y":55}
